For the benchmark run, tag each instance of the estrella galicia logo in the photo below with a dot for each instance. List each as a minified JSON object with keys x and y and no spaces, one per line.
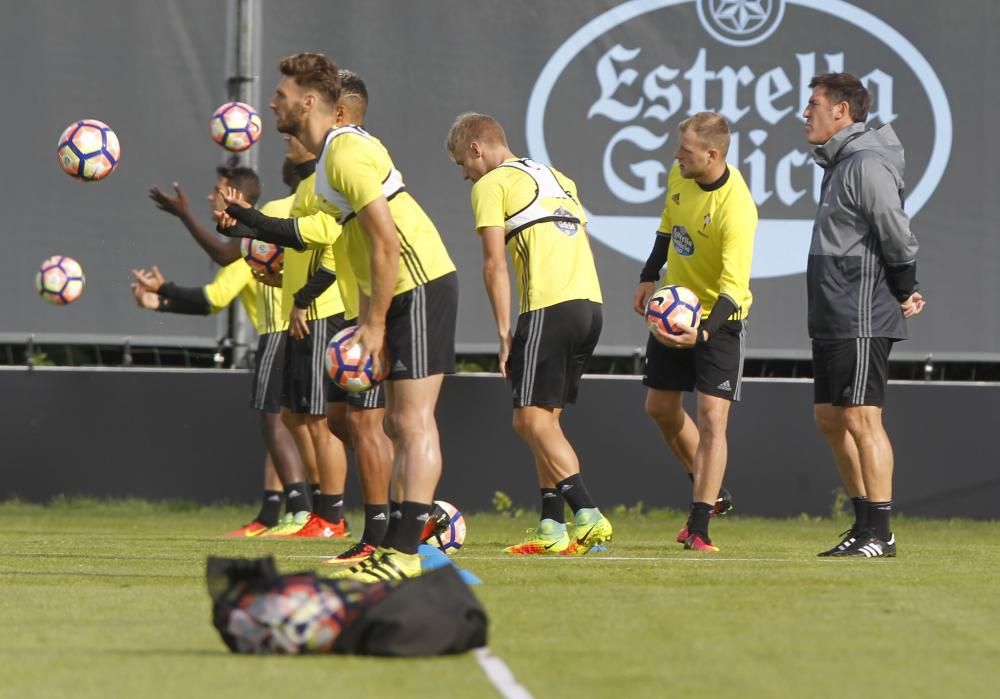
{"x":682,"y":241}
{"x":567,"y":227}
{"x":607,"y":104}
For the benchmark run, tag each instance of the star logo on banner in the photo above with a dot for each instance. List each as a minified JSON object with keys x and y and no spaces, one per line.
{"x":741,"y":16}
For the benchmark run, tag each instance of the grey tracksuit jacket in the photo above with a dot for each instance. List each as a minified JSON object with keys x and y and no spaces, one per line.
{"x":862,"y":259}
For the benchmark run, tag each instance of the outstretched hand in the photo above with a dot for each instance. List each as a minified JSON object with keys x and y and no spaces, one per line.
{"x":144,"y":298}
{"x":150,"y":280}
{"x":174,"y":205}
{"x":231,"y":195}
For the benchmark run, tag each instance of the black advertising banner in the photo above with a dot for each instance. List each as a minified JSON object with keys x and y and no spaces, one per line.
{"x":595,"y":88}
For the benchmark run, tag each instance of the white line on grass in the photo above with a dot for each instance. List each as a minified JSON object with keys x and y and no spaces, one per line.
{"x":618,"y":559}
{"x":499,"y":675}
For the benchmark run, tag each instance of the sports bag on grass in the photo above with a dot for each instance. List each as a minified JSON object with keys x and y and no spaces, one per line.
{"x":258,"y":610}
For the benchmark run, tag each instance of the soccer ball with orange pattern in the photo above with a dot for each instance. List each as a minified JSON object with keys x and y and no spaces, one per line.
{"x":669,"y":306}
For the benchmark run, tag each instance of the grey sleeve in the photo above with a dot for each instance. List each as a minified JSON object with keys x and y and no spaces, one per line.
{"x":882,"y":203}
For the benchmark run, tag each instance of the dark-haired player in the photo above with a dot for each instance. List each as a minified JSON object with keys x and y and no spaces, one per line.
{"x":283,"y":469}
{"x":404,"y":272}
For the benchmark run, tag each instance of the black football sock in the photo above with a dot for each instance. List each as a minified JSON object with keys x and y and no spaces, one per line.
{"x":879,"y":514}
{"x":270,"y":508}
{"x":330,"y":507}
{"x":314,"y":492}
{"x":376,"y":524}
{"x":411,"y":525}
{"x":698,"y":521}
{"x":575,"y":492}
{"x":860,"y":513}
{"x":553,"y":505}
{"x":395,"y":516}
{"x":297,"y":498}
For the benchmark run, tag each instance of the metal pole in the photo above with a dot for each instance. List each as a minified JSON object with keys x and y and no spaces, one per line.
{"x":242,"y":85}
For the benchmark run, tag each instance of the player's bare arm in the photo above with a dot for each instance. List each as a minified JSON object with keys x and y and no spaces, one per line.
{"x":222,"y":252}
{"x":497,"y":282}
{"x":376,"y":220}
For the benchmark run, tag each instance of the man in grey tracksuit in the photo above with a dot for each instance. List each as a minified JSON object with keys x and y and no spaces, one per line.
{"x":862,"y":286}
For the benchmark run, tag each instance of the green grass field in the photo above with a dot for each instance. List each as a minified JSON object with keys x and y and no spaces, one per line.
{"x":109,"y":600}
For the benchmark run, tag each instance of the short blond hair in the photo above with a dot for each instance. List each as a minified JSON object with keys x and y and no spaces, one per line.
{"x":711,"y":129}
{"x":472,"y":126}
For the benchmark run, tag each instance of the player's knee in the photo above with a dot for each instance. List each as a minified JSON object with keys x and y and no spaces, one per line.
{"x":405,"y":424}
{"x":531,"y":423}
{"x":861,"y":420}
{"x":669,"y":417}
{"x":828,"y":422}
{"x":521,"y":424}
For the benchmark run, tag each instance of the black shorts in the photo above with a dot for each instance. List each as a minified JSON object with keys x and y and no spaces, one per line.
{"x":851,"y":372}
{"x":306,"y":386}
{"x":371,"y":399}
{"x":550,"y":352}
{"x":714,"y":368}
{"x":420,"y":330}
{"x":265,"y":393}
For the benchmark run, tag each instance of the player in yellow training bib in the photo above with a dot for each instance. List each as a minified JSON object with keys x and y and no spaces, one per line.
{"x":408,"y":287}
{"x":365,"y":411}
{"x":706,"y":240}
{"x":533,"y":210}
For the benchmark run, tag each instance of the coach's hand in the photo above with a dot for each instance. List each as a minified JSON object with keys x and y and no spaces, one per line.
{"x":687,"y":338}
{"x":506,"y":342}
{"x":298,"y":328}
{"x":913,"y":305}
{"x":641,"y":297}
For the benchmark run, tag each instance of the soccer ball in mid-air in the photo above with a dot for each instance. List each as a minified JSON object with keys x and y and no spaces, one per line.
{"x":669,"y":306}
{"x":60,"y":280}
{"x":89,"y":150}
{"x":343,"y":367}
{"x":262,"y":256}
{"x":236,"y":126}
{"x":445,"y":528}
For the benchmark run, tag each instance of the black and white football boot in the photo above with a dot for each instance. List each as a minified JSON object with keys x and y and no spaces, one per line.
{"x":870,"y":546}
